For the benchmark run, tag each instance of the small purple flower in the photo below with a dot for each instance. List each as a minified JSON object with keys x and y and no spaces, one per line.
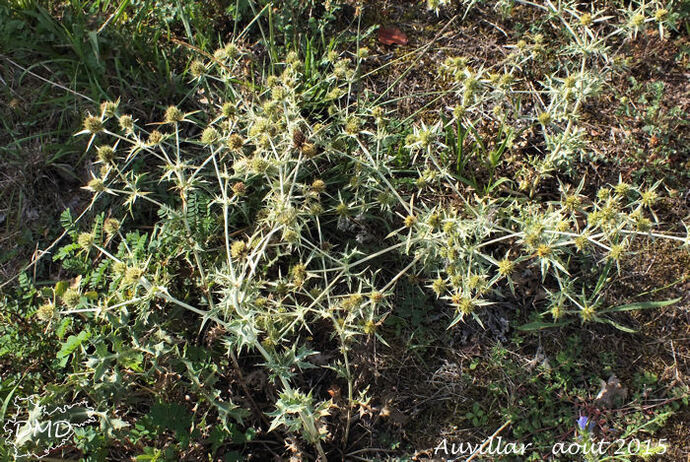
{"x":584,"y":424}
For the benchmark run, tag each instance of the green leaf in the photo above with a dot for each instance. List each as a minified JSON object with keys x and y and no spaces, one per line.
{"x":640,"y":306}
{"x":616,"y":325}
{"x":61,"y":287}
{"x":173,"y":417}
{"x":72,"y":343}
{"x":539,"y":325}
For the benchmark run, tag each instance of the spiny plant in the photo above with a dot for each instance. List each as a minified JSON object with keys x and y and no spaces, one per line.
{"x":284,"y":221}
{"x":271,"y":214}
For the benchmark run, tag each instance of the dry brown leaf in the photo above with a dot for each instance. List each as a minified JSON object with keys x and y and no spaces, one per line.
{"x":392,"y":36}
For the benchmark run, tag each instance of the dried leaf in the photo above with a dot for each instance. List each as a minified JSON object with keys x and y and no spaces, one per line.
{"x":612,"y":393}
{"x":392,"y":36}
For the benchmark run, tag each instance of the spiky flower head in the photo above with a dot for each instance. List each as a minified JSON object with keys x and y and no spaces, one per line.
{"x":238,"y":250}
{"x":105,"y":154}
{"x":352,"y":301}
{"x":173,"y":115}
{"x":93,"y":124}
{"x":465,"y":305}
{"x":556,"y":311}
{"x":210,"y":136}
{"x":649,"y":197}
{"x":459,"y":111}
{"x":352,"y":126}
{"x":85,"y":240}
{"x":376,"y":297}
{"x":410,"y":221}
{"x":109,"y":108}
{"x":239,"y":188}
{"x":506,"y":267}
{"x":119,"y":268}
{"x":292,"y":58}
{"x":259,"y":164}
{"x":232,"y":50}
{"x":126,"y":122}
{"x":220,"y":54}
{"x":369,"y":327}
{"x":439,"y":286}
{"x":434,"y":220}
{"x":318,"y":186}
{"x":291,"y":236}
{"x":544,"y":118}
{"x":637,"y":20}
{"x":278,"y":93}
{"x":299,"y":274}
{"x":46,"y":312}
{"x":197,"y":68}
{"x":70,"y":297}
{"x":155,"y":138}
{"x":642,"y":224}
{"x":235,"y":142}
{"x":544,"y":250}
{"x":586,"y":19}
{"x":229,"y":109}
{"x":96,"y":185}
{"x":616,"y":252}
{"x":132,"y":275}
{"x":111,"y":226}
{"x":309,"y":150}
{"x":571,"y":202}
{"x":587,"y":313}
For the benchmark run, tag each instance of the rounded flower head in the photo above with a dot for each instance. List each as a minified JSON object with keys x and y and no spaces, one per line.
{"x":210,"y":135}
{"x":637,"y":20}
{"x":544,"y":118}
{"x":318,"y":186}
{"x":96,"y":185}
{"x":197,"y":68}
{"x":229,"y":109}
{"x":155,"y":138}
{"x":465,"y":305}
{"x":587,"y":313}
{"x":126,"y":122}
{"x":111,"y":226}
{"x":439,"y":286}
{"x":299,"y":274}
{"x":369,"y":327}
{"x":309,"y":150}
{"x":93,"y":125}
{"x":86,"y":240}
{"x":238,"y":250}
{"x":232,"y":50}
{"x":586,"y":19}
{"x":352,"y":126}
{"x":173,"y":115}
{"x":649,"y":197}
{"x":239,"y":188}
{"x":105,"y":154}
{"x":220,"y":54}
{"x":132,"y":275}
{"x":235,"y":142}
{"x":410,"y":221}
{"x":108,"y":109}
{"x":506,"y":267}
{"x":70,"y":297}
{"x":46,"y":312}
